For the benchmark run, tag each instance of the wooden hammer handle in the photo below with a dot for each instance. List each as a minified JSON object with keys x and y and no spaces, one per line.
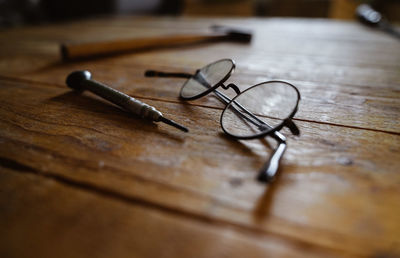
{"x":76,"y":50}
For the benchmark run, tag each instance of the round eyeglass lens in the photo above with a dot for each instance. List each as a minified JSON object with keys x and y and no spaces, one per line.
{"x":207,"y":77}
{"x":259,"y":109}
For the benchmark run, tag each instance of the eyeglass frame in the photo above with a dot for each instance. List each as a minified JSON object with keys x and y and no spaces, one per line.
{"x":270,"y":168}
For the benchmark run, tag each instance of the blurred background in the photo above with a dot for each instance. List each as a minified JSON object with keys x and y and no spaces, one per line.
{"x":17,"y":12}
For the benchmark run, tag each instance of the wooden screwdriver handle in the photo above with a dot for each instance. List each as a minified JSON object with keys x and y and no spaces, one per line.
{"x":79,"y":50}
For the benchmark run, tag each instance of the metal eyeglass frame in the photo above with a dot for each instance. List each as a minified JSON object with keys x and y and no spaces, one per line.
{"x":269,"y":170}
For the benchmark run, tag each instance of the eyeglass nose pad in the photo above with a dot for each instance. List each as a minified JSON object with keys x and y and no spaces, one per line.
{"x":233,"y":86}
{"x":292,"y":126}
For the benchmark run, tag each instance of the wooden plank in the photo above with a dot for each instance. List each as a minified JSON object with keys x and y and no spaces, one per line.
{"x":323,"y":102}
{"x":335,"y":183}
{"x":338,"y":191}
{"x":45,"y":217}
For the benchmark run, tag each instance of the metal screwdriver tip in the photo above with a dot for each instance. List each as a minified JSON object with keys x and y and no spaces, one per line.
{"x":174,"y":124}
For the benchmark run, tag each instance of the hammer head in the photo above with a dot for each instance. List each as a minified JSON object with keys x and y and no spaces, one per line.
{"x":234,"y":34}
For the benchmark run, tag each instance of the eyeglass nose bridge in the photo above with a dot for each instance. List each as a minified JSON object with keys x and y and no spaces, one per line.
{"x":233,"y":86}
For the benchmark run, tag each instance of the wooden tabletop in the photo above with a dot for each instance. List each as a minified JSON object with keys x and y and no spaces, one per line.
{"x":81,"y":178}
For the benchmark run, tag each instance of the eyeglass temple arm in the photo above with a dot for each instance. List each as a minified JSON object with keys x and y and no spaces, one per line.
{"x":225,"y":99}
{"x":270,"y":168}
{"x":268,"y":172}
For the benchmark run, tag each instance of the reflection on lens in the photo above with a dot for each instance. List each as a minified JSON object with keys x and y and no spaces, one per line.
{"x":207,"y":77}
{"x":259,"y":109}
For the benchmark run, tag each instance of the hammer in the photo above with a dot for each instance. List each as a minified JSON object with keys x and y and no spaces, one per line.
{"x":80,"y":50}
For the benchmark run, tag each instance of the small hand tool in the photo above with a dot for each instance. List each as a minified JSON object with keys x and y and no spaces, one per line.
{"x":80,"y":50}
{"x":370,"y":17}
{"x":81,"y":80}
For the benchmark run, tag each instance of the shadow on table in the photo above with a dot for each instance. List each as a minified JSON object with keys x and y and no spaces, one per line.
{"x":264,"y":203}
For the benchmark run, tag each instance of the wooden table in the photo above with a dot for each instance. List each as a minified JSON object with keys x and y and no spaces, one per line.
{"x":81,"y":178}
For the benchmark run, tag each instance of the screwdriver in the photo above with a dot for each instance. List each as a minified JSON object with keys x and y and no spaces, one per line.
{"x":81,"y":80}
{"x":370,"y":17}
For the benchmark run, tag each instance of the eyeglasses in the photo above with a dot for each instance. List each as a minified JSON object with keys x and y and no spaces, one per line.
{"x":260,"y":110}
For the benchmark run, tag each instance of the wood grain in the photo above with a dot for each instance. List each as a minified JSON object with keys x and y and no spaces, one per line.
{"x":109,"y":152}
{"x":337,"y":194}
{"x":104,"y":226}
